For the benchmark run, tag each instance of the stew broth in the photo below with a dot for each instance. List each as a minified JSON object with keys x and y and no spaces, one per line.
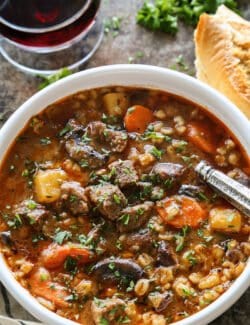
{"x":103,"y":218}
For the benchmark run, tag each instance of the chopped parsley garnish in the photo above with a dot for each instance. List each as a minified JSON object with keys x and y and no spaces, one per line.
{"x":31,"y":204}
{"x":61,"y":236}
{"x":70,"y":265}
{"x":202,"y":197}
{"x":111,"y":266}
{"x":207,"y":239}
{"x":164,"y":15}
{"x":16,"y":222}
{"x":118,"y":245}
{"x":84,"y":163}
{"x":117,"y":199}
{"x":131,"y":286}
{"x":157,"y":153}
{"x":64,"y":72}
{"x":45,"y":141}
{"x":65,"y":130}
{"x":109,"y":119}
{"x":104,"y":321}
{"x":125,"y":219}
{"x":190,"y":256}
{"x":112,"y":25}
{"x":180,"y":238}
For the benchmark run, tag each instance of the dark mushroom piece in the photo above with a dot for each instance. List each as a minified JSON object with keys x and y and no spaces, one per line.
{"x":85,"y":154}
{"x":6,"y":238}
{"x":165,"y":255}
{"x":115,"y":270}
{"x":168,"y":170}
{"x":190,"y":190}
{"x":136,"y":240}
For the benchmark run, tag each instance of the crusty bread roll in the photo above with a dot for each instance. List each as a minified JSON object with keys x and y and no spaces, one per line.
{"x":223,"y":55}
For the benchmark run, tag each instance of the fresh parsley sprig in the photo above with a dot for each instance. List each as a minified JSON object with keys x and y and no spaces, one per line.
{"x":165,"y":15}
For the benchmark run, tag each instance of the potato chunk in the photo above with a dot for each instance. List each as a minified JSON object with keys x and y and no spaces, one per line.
{"x":115,"y":103}
{"x":48,"y":185}
{"x":225,"y":220}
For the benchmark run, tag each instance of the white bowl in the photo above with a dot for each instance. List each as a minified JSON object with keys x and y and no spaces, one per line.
{"x":128,"y":75}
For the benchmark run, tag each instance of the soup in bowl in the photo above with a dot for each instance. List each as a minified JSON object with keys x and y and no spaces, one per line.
{"x":103,"y":218}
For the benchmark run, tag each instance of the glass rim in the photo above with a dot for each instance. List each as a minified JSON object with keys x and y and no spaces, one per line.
{"x":65,"y":23}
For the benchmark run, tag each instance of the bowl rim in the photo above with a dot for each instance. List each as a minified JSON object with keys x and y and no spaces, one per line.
{"x":128,"y":75}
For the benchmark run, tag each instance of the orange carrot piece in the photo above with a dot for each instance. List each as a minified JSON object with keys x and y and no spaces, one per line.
{"x":201,"y":136}
{"x":42,"y":286}
{"x":54,"y":256}
{"x":138,"y":118}
{"x":180,"y":211}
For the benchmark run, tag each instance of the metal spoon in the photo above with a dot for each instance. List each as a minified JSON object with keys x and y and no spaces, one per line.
{"x":234,"y":192}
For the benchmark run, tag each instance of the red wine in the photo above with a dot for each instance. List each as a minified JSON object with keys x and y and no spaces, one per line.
{"x":45,"y":23}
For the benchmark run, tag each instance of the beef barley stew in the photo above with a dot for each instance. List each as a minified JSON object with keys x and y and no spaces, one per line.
{"x":103,"y":218}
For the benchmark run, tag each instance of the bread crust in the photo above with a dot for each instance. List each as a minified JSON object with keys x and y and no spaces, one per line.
{"x":222,"y":46}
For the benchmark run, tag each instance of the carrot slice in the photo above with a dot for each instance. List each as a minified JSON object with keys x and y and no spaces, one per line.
{"x":180,"y":211}
{"x":138,"y":118}
{"x":42,"y":286}
{"x":201,"y":136}
{"x":54,"y":256}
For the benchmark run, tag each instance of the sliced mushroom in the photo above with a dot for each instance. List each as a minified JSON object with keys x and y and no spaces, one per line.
{"x":136,"y":240}
{"x":116,"y":270}
{"x":165,"y":255}
{"x":6,"y":238}
{"x":168,"y":170}
{"x":190,"y":190}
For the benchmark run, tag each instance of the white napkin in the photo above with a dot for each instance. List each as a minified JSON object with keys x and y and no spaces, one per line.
{"x":12,"y":313}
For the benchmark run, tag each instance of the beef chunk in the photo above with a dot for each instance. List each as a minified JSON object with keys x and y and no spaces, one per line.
{"x":137,"y":240}
{"x":134,"y":217}
{"x":167,"y":171}
{"x":85,"y":154}
{"x":34,"y":213}
{"x":6,"y":238}
{"x":98,"y":131}
{"x":165,"y":256}
{"x":108,"y":199}
{"x":118,"y":140}
{"x":73,"y":195}
{"x":112,"y":310}
{"x":123,"y":172}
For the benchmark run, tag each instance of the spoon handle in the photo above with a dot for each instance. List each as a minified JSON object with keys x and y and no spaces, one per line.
{"x":235,"y":193}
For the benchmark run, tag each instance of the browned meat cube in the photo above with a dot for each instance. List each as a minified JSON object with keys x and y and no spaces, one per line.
{"x":85,"y":154}
{"x":134,"y":217}
{"x":73,"y":195}
{"x":34,"y":213}
{"x":108,"y":199}
{"x":124,"y":173}
{"x":118,"y":140}
{"x":109,"y":309}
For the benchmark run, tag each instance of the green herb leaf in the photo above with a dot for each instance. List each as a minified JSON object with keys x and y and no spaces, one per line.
{"x":61,"y":236}
{"x":45,"y":141}
{"x":157,"y":153}
{"x":164,"y":15}
{"x":54,"y":77}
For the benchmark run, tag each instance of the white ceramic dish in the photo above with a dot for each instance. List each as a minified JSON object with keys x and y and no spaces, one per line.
{"x":128,"y":75}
